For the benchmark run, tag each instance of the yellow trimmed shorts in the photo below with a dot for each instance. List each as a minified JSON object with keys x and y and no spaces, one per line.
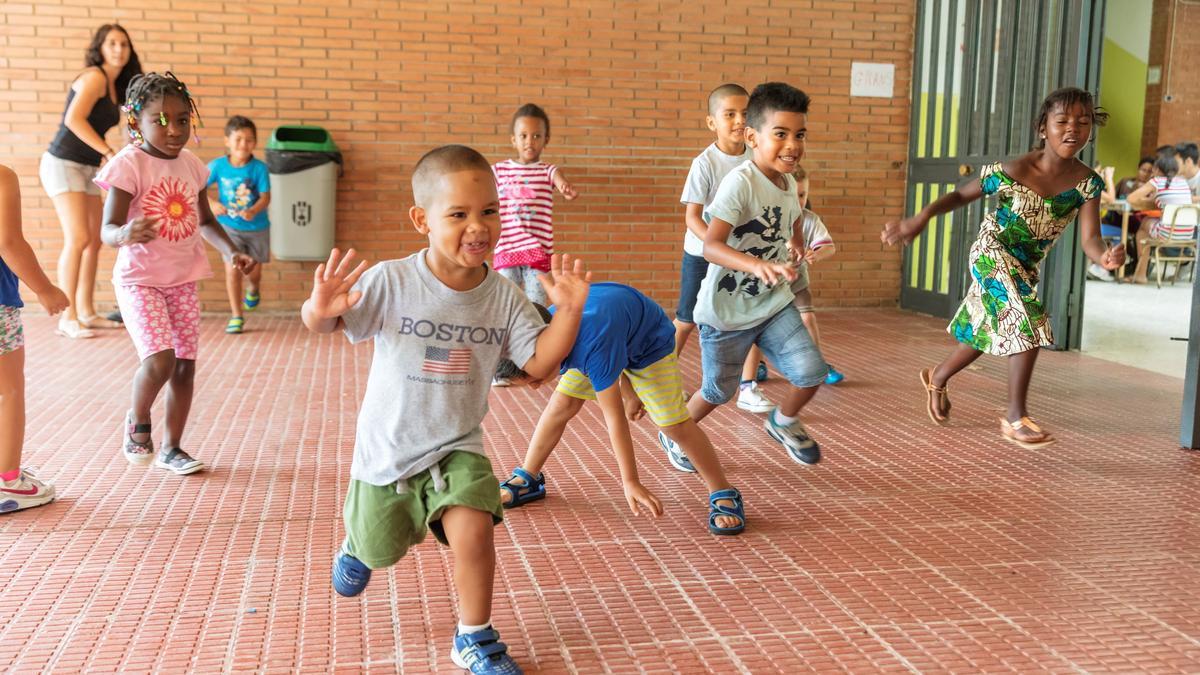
{"x":658,"y":386}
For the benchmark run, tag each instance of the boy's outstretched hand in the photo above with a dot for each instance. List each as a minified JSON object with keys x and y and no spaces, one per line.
{"x":566,"y":283}
{"x":640,"y":498}
{"x":331,"y":295}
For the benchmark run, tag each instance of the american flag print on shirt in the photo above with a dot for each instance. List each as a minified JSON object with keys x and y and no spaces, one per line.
{"x":445,"y":361}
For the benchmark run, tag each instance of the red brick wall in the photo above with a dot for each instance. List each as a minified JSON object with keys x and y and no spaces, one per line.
{"x":624,"y":84}
{"x":1175,"y":45}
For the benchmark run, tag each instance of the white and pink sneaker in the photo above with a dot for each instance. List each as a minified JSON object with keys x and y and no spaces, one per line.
{"x":25,"y":492}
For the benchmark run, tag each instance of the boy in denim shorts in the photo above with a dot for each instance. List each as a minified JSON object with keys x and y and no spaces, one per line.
{"x":441,"y":320}
{"x":745,"y":299}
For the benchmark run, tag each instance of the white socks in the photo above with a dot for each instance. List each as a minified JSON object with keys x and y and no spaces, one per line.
{"x":464,"y":629}
{"x":782,"y":420}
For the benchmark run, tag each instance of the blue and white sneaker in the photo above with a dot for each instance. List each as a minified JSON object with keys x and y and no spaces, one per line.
{"x":795,"y":438}
{"x":350,"y":576}
{"x":483,"y":653}
{"x":834,"y":377}
{"x":675,"y":455}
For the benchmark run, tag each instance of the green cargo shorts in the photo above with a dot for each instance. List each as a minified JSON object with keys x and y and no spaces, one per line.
{"x":383,"y":521}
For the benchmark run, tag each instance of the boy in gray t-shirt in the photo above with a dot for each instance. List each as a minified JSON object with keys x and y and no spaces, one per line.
{"x":745,"y":300}
{"x":441,"y":320}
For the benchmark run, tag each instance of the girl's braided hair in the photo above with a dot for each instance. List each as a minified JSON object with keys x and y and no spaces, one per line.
{"x":150,"y":87}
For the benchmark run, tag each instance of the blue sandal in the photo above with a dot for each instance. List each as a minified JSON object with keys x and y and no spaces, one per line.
{"x":716,"y":510}
{"x":533,"y":489}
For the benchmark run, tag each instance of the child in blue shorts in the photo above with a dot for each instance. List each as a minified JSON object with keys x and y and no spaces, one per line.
{"x":754,"y":222}
{"x":440,"y":320}
{"x":625,"y":341}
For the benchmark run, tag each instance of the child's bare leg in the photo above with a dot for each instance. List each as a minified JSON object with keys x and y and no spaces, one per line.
{"x":703,"y":456}
{"x":179,"y":401}
{"x":698,"y":408}
{"x":962,"y":356}
{"x":549,"y":431}
{"x":1020,"y":370}
{"x":149,"y":379}
{"x":12,"y":409}
{"x":233,"y":289}
{"x":254,"y":280}
{"x":683,"y":331}
{"x":810,"y":323}
{"x":469,"y":533}
{"x":796,"y":399}
{"x":750,"y":367}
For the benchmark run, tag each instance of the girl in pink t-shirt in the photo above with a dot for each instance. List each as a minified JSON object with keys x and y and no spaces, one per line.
{"x":156,"y":214}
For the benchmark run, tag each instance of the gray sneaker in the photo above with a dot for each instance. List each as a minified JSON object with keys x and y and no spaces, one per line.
{"x":675,"y":454}
{"x":795,"y":438}
{"x":174,"y":459}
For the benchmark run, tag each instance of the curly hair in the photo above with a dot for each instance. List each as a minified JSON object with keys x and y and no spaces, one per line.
{"x":1064,"y":99}
{"x":150,"y":87}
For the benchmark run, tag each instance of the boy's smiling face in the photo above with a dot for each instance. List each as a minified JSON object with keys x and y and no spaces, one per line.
{"x":779,"y":143}
{"x":240,"y":143}
{"x":729,"y":120}
{"x":461,"y":219}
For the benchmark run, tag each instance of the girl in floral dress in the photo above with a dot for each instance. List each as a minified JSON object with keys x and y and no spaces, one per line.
{"x":1038,"y":195}
{"x":157,"y":214}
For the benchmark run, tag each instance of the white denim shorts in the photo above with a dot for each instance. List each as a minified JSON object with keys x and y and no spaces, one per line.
{"x":63,"y":175}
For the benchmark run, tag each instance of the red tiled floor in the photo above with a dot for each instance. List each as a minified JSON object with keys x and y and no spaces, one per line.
{"x":910,"y":547}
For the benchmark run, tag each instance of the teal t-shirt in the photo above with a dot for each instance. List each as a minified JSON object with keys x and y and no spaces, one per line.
{"x":239,"y":188}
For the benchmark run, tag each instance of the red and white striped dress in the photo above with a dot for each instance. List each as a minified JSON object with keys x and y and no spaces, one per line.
{"x":526,"y":205}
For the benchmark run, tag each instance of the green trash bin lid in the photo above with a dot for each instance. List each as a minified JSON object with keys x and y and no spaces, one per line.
{"x":301,"y":137}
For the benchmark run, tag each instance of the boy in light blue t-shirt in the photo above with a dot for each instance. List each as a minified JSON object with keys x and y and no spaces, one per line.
{"x":244,"y":191}
{"x":754,"y":221}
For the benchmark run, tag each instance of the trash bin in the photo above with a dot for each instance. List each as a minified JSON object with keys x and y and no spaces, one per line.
{"x":304,"y":164}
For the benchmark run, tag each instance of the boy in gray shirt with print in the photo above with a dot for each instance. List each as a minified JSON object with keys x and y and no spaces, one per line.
{"x":441,"y":321}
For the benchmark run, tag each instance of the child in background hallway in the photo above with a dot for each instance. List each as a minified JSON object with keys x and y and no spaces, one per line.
{"x":18,"y":489}
{"x":625,"y":342}
{"x":157,"y":214}
{"x":1002,"y":313}
{"x":818,"y":245}
{"x":527,"y":186}
{"x":440,"y":321}
{"x":244,"y":191}
{"x":753,"y":221}
{"x":727,"y":119}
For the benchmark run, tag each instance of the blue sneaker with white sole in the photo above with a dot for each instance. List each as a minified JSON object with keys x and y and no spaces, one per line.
{"x":350,"y":576}
{"x":483,"y":653}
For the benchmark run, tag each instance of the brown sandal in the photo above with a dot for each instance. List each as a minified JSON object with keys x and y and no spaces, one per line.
{"x":937,"y":401}
{"x":1034,"y":439}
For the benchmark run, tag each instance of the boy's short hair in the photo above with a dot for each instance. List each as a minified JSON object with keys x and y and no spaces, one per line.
{"x":723,"y":92}
{"x":1188,"y":151}
{"x":774,"y":97}
{"x":507,"y":370}
{"x":799,"y":173}
{"x":239,"y":122}
{"x":1148,"y":159}
{"x":530,"y":110}
{"x":1165,"y":150}
{"x":441,"y":161}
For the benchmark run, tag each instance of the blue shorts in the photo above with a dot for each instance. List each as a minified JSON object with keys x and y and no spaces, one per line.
{"x":783,"y":339}
{"x":691,"y":273}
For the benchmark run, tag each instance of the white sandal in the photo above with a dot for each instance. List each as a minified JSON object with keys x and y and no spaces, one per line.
{"x":97,"y":321}
{"x":72,"y":329}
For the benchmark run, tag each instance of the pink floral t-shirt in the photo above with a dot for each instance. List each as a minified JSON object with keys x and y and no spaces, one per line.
{"x":169,"y":190}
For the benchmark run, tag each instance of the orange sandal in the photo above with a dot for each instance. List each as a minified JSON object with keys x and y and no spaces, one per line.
{"x":936,"y":398}
{"x":1034,"y":438}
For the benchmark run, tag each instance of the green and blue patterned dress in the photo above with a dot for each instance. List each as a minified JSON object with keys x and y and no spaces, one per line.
{"x":1002,"y":313}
